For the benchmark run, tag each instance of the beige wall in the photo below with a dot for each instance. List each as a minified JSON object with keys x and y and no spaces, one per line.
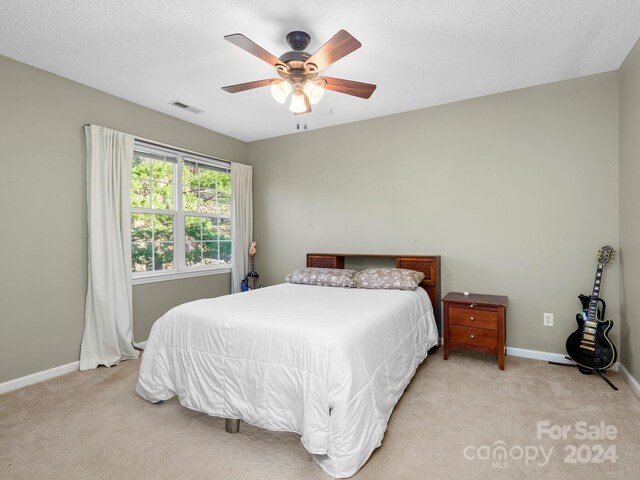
{"x":517,"y":191}
{"x":630,"y":211}
{"x":43,"y":229}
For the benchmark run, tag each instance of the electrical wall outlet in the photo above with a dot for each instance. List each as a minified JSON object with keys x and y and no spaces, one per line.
{"x":548,"y":319}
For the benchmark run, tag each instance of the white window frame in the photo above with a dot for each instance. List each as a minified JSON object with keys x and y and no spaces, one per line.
{"x":180,"y":269}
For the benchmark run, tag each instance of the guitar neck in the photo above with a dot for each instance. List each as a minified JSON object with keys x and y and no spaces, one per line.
{"x":595,"y":294}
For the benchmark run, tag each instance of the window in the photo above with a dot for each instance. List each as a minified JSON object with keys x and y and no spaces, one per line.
{"x":206,"y":200}
{"x":180,"y":212}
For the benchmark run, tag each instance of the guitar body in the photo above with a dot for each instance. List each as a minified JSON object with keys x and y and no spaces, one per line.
{"x":249,"y":281}
{"x":589,"y":346}
{"x":604,"y":353}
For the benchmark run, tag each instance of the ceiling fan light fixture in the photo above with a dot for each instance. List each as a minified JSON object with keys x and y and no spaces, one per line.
{"x":297,"y":103}
{"x":280,"y":91}
{"x":314,"y":91}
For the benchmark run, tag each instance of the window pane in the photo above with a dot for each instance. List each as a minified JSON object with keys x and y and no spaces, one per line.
{"x":193,"y":254}
{"x":141,"y":168}
{"x":162,"y":171}
{"x":208,"y":178}
{"x":209,"y":229}
{"x":210,"y":253}
{"x":190,"y":177}
{"x":140,"y":194}
{"x":162,"y":196}
{"x":163,"y":255}
{"x":224,"y":183}
{"x":141,"y":256}
{"x":189,"y":199}
{"x":225,"y":252}
{"x":207,"y":201}
{"x":224,"y":204}
{"x":192,"y":230}
{"x":141,"y":227}
{"x":225,"y":229}
{"x":163,"y":227}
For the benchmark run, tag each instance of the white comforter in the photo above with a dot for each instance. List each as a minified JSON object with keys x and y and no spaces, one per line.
{"x":328,"y":363}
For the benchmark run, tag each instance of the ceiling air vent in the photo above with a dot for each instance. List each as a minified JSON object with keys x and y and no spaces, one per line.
{"x":186,"y":107}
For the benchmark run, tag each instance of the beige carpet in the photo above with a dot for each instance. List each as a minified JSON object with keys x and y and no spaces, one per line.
{"x":92,"y":425}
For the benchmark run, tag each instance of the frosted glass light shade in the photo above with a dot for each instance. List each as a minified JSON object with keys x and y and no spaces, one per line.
{"x":314,"y":92}
{"x":297,"y":103}
{"x":280,"y":91}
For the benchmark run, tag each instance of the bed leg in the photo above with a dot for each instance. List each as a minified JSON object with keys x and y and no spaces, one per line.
{"x":232,"y":425}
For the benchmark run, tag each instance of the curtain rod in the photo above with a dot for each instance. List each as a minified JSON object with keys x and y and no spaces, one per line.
{"x":165,"y":145}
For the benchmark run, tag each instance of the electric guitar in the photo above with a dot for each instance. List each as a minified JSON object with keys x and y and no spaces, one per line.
{"x":589,"y":346}
{"x":249,"y":281}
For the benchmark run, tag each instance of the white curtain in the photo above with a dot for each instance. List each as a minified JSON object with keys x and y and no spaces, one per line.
{"x":241,"y":221}
{"x":108,"y":337}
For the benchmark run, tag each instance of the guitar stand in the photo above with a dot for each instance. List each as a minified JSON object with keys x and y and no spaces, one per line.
{"x":585,"y":371}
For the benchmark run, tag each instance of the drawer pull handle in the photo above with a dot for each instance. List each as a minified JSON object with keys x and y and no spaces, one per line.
{"x":471,"y":318}
{"x":472,"y":336}
{"x":471,"y":305}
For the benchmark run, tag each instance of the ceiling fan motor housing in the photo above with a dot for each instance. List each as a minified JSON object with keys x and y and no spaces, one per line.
{"x":295,"y":58}
{"x":298,"y":40}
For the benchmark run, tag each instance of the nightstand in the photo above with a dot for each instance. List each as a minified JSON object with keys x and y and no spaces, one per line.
{"x":475,"y":322}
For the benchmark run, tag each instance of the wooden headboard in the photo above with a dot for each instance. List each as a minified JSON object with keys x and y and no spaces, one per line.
{"x":429,"y":265}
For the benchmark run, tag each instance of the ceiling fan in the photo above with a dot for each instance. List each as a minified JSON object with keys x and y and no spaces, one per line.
{"x":298,"y":71}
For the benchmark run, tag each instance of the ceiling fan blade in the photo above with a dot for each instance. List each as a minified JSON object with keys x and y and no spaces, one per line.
{"x":350,"y":87}
{"x":306,"y":104}
{"x":241,"y":87}
{"x":340,"y":45}
{"x":253,"y":48}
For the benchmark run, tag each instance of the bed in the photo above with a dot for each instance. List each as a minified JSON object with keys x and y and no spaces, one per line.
{"x":328,"y":363}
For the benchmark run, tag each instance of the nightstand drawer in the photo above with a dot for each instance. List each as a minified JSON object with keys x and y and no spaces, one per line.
{"x":480,"y":337}
{"x":473,"y":317}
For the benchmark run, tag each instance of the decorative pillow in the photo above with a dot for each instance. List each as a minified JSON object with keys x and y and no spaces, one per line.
{"x":326,"y":277}
{"x":388,"y":278}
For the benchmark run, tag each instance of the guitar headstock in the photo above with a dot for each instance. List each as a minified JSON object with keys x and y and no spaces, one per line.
{"x":605,"y":254}
{"x":252,"y":249}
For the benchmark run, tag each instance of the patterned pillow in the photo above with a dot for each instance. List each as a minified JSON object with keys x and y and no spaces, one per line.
{"x":326,"y":277}
{"x":388,"y":278}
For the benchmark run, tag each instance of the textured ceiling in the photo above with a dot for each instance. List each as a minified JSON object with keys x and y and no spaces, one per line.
{"x":419,"y":52}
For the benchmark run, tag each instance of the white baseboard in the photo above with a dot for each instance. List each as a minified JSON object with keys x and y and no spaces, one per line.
{"x":38,"y":377}
{"x":547,"y":356}
{"x":632,"y":382}
{"x":536,"y":355}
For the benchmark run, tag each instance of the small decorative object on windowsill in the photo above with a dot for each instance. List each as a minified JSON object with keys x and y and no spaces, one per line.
{"x":249,"y":281}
